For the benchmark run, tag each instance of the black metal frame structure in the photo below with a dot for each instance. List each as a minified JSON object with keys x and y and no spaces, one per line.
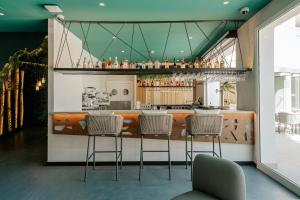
{"x":152,"y":151}
{"x":118,"y":153}
{"x":189,"y":153}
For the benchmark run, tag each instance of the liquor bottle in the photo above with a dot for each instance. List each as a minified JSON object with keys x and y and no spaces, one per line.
{"x":121,"y":64}
{"x":103,"y":64}
{"x":166,"y":63}
{"x":156,"y":64}
{"x":191,"y":65}
{"x":201,"y":64}
{"x":109,"y":63}
{"x":217,"y":64}
{"x":150,"y":64}
{"x":182,"y":64}
{"x":196,"y":63}
{"x":84,"y":63}
{"x":137,"y":66}
{"x":97,"y":65}
{"x":143,"y":66}
{"x":174,"y":64}
{"x":222,"y":63}
{"x":209,"y":64}
{"x":125,"y":64}
{"x":116,"y":63}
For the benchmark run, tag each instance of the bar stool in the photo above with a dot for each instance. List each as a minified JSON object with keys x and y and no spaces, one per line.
{"x":203,"y":125}
{"x":104,"y":125}
{"x":155,"y":125}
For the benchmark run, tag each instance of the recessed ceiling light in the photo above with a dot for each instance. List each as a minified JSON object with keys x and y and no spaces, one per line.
{"x":114,"y":37}
{"x":53,"y":8}
{"x":181,"y":51}
{"x":123,"y":51}
{"x":101,"y":4}
{"x":152,"y":51}
{"x":1,"y":14}
{"x":190,"y":37}
{"x":226,"y":2}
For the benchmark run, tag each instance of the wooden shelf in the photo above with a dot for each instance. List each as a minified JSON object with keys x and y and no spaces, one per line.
{"x":95,"y":71}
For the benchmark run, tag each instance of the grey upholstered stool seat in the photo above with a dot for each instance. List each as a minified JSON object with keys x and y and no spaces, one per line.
{"x":216,"y":178}
{"x":203,"y":125}
{"x":104,"y":125}
{"x":155,"y":125}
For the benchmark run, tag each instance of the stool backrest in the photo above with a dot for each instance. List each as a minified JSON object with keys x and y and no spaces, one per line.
{"x":204,"y":124}
{"x":105,"y":124}
{"x":156,"y":124}
{"x":218,"y":177}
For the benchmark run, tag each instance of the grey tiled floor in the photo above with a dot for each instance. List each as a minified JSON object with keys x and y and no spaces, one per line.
{"x":23,"y":176}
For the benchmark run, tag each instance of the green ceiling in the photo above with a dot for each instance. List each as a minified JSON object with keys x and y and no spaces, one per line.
{"x":30,"y":16}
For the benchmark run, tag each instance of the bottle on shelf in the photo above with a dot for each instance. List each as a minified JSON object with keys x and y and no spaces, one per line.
{"x":116,"y":63}
{"x":182,"y":64}
{"x":103,"y":64}
{"x":125,"y":64}
{"x":196,"y":63}
{"x":191,"y":65}
{"x":143,"y":66}
{"x":216,"y":63}
{"x":121,"y":64}
{"x":209,"y":64}
{"x":157,"y":64}
{"x":84,"y":64}
{"x":174,"y":64}
{"x":150,"y":64}
{"x":97,"y":65}
{"x":201,"y":63}
{"x":222,"y":62}
{"x":166,"y":63}
{"x":109,"y":63}
{"x":137,"y":66}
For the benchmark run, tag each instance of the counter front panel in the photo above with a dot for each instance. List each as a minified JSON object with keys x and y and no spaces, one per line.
{"x":238,"y":126}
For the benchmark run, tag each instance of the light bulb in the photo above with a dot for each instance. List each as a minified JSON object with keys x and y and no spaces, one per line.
{"x":37,"y":88}
{"x":39,"y":83}
{"x":43,"y":80}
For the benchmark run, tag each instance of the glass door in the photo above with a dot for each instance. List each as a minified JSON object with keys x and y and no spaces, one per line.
{"x":279,"y":99}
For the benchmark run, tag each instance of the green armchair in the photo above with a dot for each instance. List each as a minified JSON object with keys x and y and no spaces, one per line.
{"x":216,"y":178}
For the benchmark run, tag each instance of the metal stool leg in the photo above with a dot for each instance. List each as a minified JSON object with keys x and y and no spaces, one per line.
{"x":121,"y":152}
{"x":87,"y":157}
{"x":213,"y":141}
{"x":220,"y":147}
{"x":192,"y":157}
{"x":169,"y":158}
{"x":94,"y":153}
{"x":116,"y":146}
{"x":141,"y":158}
{"x":186,"y":150}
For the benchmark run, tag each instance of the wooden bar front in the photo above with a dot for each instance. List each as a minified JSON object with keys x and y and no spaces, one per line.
{"x":238,"y":126}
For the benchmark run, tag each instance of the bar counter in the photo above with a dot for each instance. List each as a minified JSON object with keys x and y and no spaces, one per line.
{"x":238,"y":127}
